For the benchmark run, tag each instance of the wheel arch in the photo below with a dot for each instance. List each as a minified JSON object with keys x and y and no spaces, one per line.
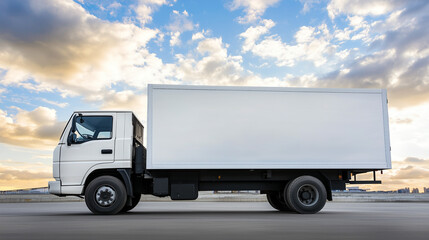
{"x":121,"y":174}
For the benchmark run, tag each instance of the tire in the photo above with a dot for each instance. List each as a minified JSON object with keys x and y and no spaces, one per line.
{"x":134,"y":201}
{"x":276,"y":200}
{"x":306,"y":195}
{"x":105,"y":195}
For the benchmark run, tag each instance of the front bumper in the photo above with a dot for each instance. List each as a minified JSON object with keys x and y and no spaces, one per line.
{"x":54,"y":187}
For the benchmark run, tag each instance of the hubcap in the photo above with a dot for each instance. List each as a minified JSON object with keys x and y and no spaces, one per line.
{"x":105,"y":196}
{"x":308,"y":195}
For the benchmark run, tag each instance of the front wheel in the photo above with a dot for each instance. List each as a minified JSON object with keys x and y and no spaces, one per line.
{"x":306,"y":194}
{"x":105,"y":195}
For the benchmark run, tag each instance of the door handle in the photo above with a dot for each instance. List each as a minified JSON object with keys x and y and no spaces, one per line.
{"x":106,"y":151}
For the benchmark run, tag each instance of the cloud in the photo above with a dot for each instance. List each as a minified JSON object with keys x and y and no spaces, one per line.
{"x":254,"y":9}
{"x":358,"y":29}
{"x":201,"y":35}
{"x":411,"y":172}
{"x":175,"y":38}
{"x":126,"y":100}
{"x":12,"y":178}
{"x":76,"y":53}
{"x":145,"y":9}
{"x":212,"y":65}
{"x":58,"y":104}
{"x":407,"y":136}
{"x":12,"y":174}
{"x":252,"y":34}
{"x":415,"y":160}
{"x":363,"y":7}
{"x":114,"y":5}
{"x":26,"y":165}
{"x":401,"y":120}
{"x":180,"y":23}
{"x":411,"y":168}
{"x":33,"y":129}
{"x":397,"y":57}
{"x":308,"y":4}
{"x":197,"y":36}
{"x":311,"y":44}
{"x":57,"y":45}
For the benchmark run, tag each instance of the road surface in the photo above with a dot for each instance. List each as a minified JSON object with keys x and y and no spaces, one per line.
{"x":215,"y":220}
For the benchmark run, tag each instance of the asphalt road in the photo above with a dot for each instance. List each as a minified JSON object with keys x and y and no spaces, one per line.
{"x":215,"y":220}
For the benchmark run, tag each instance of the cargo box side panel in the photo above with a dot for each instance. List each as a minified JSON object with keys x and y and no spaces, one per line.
{"x":266,"y":128}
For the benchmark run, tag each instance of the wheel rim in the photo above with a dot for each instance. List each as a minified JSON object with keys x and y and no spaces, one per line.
{"x":308,"y":195}
{"x":105,"y":196}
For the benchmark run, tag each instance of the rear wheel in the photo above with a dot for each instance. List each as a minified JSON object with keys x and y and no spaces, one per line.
{"x":306,"y":194}
{"x":134,"y":201}
{"x":105,"y":195}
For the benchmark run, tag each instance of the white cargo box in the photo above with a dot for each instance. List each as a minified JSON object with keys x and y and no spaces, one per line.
{"x":201,"y":127}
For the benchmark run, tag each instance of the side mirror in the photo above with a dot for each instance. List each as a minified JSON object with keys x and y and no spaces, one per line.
{"x":71,"y":139}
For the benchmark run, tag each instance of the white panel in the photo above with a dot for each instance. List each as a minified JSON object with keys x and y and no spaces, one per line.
{"x":119,"y":140}
{"x":128,"y":138}
{"x":250,"y":128}
{"x":124,"y":137}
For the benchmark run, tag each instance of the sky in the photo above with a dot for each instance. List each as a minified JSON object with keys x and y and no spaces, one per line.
{"x":59,"y":56}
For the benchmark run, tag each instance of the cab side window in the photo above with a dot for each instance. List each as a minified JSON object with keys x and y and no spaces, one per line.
{"x":88,"y":128}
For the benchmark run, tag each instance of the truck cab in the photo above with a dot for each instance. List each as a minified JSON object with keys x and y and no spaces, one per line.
{"x":95,"y":144}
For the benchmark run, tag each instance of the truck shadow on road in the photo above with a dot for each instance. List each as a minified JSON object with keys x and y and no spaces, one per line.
{"x":157,"y":214}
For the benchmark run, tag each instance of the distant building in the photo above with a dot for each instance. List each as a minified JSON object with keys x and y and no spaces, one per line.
{"x":415,"y":190}
{"x":404,"y":190}
{"x":425,"y":190}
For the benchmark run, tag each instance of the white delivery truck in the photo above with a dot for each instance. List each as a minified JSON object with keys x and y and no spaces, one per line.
{"x":295,"y":145}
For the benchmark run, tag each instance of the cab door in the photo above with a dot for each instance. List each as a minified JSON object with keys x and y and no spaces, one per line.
{"x":90,"y":141}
